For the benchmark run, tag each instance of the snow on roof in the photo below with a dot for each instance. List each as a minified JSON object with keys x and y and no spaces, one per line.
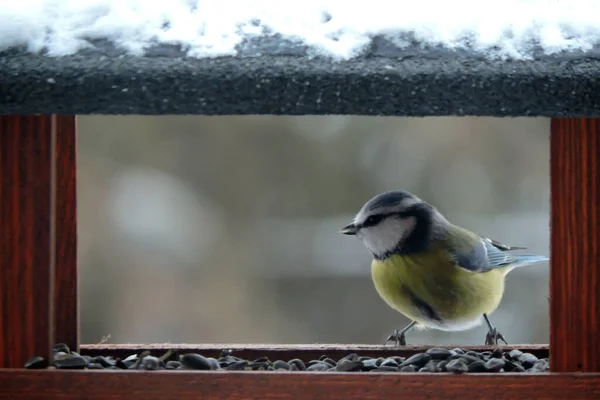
{"x":341,"y":29}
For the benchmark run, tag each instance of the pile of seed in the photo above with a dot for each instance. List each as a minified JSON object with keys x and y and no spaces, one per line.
{"x":433,"y":360}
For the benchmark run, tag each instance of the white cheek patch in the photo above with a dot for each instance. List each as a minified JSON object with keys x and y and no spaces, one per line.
{"x":385,"y":237}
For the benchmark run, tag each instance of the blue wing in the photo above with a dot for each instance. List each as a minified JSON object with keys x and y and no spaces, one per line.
{"x":489,"y":254}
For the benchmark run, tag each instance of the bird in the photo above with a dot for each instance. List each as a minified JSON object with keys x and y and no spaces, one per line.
{"x":437,"y":274}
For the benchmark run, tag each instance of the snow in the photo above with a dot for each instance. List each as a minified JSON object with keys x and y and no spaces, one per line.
{"x":340,"y":29}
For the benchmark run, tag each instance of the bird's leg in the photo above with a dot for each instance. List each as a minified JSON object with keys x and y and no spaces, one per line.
{"x":399,"y":337}
{"x":492,"y":337}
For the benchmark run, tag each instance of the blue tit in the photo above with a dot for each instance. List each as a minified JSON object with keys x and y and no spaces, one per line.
{"x":437,"y":274}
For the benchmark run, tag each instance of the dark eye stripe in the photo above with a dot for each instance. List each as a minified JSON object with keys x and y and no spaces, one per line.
{"x":373,"y":220}
{"x":377,"y":218}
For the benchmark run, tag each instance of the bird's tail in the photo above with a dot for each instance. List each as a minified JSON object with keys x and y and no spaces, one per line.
{"x":526,"y":260}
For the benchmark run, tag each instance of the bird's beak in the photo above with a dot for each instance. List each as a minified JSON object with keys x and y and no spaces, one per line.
{"x":349,"y":229}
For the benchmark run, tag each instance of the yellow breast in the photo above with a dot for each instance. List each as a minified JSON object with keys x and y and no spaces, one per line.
{"x":431,"y":290}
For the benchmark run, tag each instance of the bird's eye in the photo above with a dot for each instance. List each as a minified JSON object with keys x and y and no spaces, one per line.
{"x":373,"y":220}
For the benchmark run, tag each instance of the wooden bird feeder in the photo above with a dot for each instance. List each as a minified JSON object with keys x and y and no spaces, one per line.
{"x":40,"y":96}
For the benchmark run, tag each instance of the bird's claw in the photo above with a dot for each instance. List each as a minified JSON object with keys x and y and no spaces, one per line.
{"x":397,"y":337}
{"x":493,"y":336}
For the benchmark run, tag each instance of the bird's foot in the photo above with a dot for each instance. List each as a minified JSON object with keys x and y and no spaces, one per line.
{"x":493,"y":336}
{"x":398,"y":337}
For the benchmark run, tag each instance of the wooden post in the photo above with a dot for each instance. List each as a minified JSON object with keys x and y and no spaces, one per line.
{"x":66,"y":298}
{"x":575,"y":242}
{"x":28,"y":235}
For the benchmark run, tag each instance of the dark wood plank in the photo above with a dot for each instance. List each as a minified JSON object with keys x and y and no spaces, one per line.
{"x":184,"y":385}
{"x":575,"y":242}
{"x":66,"y":302}
{"x":26,"y":238}
{"x":284,"y":352}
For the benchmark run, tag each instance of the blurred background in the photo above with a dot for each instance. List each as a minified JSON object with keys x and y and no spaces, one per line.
{"x":200,"y":229}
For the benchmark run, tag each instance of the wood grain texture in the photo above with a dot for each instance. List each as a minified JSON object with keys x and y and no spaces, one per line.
{"x":185,"y":385}
{"x":26,"y":238}
{"x":66,"y":302}
{"x":285,"y":352}
{"x":575,"y":245}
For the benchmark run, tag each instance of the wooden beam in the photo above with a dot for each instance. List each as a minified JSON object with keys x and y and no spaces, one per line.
{"x":66,"y":300}
{"x":304,"y":352}
{"x":38,"y":231}
{"x":26,"y":238}
{"x":575,"y":245}
{"x":186,"y":385}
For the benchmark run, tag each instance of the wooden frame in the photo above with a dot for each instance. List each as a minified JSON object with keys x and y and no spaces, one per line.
{"x":38,"y":206}
{"x":296,"y":385}
{"x":38,"y":282}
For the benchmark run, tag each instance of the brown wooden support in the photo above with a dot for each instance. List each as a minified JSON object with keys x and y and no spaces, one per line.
{"x":66,"y":298}
{"x":29,"y":235}
{"x":193,"y":385}
{"x":305,"y":352}
{"x":575,"y":245}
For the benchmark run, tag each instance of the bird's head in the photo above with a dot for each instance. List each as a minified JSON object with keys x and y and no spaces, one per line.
{"x":394,"y":222}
